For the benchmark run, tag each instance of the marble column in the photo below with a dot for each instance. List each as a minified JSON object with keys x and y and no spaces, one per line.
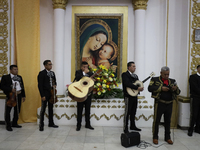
{"x":59,"y":12}
{"x":140,"y":7}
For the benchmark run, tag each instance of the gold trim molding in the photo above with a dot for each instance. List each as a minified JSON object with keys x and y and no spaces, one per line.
{"x":99,"y":118}
{"x":59,"y":4}
{"x":139,"y":4}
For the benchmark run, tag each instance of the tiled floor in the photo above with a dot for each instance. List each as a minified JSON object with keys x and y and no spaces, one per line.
{"x":102,"y":138}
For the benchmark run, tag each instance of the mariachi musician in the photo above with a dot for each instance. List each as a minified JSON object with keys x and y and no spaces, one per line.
{"x":12,"y":85}
{"x":84,"y":71}
{"x":131,"y":102}
{"x":46,"y":81}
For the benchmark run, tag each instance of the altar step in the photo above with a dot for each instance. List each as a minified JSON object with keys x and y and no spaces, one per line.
{"x":104,"y":112}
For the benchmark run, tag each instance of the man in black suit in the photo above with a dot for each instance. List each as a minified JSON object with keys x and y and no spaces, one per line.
{"x":46,"y":81}
{"x":194,"y":102}
{"x":13,"y":83}
{"x":131,"y":102}
{"x":84,"y":71}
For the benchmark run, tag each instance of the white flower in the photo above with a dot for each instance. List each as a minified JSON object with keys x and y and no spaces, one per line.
{"x":110,"y":79}
{"x":98,"y":84}
{"x":104,"y":85}
{"x":99,"y":93}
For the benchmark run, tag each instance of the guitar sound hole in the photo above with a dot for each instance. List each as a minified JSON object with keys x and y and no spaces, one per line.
{"x":85,"y":83}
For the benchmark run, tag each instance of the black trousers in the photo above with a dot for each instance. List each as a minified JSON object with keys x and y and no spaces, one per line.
{"x":160,"y":109}
{"x":130,"y":110}
{"x":195,"y":113}
{"x":87,"y":104}
{"x":16,"y":111}
{"x":50,"y":111}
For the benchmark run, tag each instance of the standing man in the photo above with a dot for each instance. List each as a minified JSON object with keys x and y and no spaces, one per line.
{"x":164,"y":91}
{"x":13,"y":83}
{"x":194,"y":102}
{"x":84,"y":71}
{"x":46,"y":81}
{"x":131,"y":102}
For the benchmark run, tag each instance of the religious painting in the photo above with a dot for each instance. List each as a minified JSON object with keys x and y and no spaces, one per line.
{"x":99,"y":40}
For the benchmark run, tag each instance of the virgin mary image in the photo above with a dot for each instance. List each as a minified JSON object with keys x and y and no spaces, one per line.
{"x":91,"y":41}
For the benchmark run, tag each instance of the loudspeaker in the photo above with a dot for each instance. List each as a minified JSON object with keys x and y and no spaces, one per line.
{"x":130,"y":139}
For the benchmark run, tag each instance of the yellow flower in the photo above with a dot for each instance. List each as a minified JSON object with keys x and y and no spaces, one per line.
{"x":107,"y":86}
{"x":98,"y":89}
{"x":94,"y":69}
{"x":117,"y":85}
{"x":99,"y":93}
{"x":112,"y":75}
{"x":104,"y":81}
{"x":98,"y":78}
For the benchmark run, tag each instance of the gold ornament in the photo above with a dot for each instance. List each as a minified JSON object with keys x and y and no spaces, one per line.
{"x":139,"y":4}
{"x":59,"y":4}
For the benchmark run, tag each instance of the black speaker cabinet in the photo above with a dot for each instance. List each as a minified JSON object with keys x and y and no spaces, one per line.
{"x":130,"y":139}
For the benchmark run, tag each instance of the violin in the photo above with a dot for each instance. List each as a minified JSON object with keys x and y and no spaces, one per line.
{"x":12,"y":101}
{"x":53,"y":98}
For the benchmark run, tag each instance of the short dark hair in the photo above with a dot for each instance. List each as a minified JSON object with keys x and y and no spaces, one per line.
{"x":12,"y":66}
{"x":198,"y":66}
{"x":46,"y":62}
{"x":84,"y":63}
{"x":130,"y":63}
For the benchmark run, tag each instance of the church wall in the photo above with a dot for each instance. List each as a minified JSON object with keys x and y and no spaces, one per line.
{"x":166,"y":41}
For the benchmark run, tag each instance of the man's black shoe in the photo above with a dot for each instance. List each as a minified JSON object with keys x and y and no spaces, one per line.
{"x":78,"y":128}
{"x":9,"y":129}
{"x":89,"y":127}
{"x":53,"y":126}
{"x":41,"y":128}
{"x":135,"y":128}
{"x":197,"y":131}
{"x":190,"y":133}
{"x":16,"y":126}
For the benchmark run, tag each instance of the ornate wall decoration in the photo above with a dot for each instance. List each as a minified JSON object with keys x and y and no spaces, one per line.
{"x":195,"y":50}
{"x":4,"y":7}
{"x":59,"y":4}
{"x":98,"y":118}
{"x":139,"y":4}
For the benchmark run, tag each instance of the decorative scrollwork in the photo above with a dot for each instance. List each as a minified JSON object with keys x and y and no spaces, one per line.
{"x":195,"y":50}
{"x":3,"y":37}
{"x":98,"y":118}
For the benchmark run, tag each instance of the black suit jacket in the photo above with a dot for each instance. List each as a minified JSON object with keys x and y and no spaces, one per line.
{"x":44,"y":83}
{"x":6,"y":85}
{"x":194,"y":85}
{"x":79,"y":75}
{"x":127,"y":81}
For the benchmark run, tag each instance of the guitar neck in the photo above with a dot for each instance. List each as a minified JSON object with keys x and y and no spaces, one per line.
{"x":146,"y":79}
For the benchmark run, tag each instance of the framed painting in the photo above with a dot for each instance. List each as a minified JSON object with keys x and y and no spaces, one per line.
{"x":99,"y":37}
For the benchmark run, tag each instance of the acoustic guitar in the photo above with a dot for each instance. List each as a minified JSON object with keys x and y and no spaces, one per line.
{"x":79,"y":90}
{"x":138,"y":83}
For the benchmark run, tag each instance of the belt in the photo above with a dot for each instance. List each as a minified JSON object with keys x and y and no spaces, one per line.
{"x":165,"y":102}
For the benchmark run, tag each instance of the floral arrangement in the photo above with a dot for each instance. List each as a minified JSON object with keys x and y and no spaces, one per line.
{"x":106,"y":83}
